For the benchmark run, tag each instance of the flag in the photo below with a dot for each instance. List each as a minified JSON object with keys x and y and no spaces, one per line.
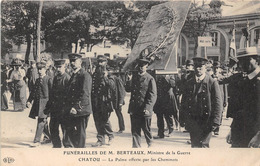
{"x":232,"y":47}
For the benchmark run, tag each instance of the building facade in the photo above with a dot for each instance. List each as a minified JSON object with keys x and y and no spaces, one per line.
{"x":242,"y":15}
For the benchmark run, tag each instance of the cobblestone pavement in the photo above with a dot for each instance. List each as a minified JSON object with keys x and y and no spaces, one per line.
{"x":17,"y":131}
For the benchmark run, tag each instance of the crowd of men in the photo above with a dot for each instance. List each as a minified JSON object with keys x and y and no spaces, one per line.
{"x":195,"y":99}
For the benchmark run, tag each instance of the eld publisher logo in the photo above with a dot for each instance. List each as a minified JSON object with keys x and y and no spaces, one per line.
{"x":8,"y":160}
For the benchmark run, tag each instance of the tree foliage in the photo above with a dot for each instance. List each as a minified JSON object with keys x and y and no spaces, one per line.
{"x":65,"y":22}
{"x":196,"y":23}
{"x":18,"y":23}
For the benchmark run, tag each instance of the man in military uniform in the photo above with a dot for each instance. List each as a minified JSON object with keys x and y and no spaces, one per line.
{"x":166,"y":105}
{"x":78,"y":102}
{"x":186,"y":75}
{"x":103,"y":87}
{"x":57,"y":102}
{"x":203,"y":104}
{"x":143,"y":97}
{"x":245,"y":127}
{"x":40,"y":95}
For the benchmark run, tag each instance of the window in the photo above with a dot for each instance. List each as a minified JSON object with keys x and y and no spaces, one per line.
{"x":107,"y":44}
{"x":215,"y":38}
{"x":256,"y":36}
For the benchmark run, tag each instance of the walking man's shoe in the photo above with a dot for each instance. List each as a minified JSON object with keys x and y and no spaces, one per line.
{"x":110,"y":141}
{"x":120,"y":131}
{"x":97,"y":144}
{"x":170,"y":134}
{"x":158,"y":137}
{"x":35,"y":144}
{"x":46,"y":141}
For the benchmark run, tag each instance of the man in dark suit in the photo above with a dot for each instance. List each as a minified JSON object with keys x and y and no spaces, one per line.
{"x":78,"y":102}
{"x":203,"y":104}
{"x":32,"y":75}
{"x":245,"y":128}
{"x":166,"y":105}
{"x":102,"y":90}
{"x":118,"y":101}
{"x":217,"y":75}
{"x":40,"y":95}
{"x":143,"y":97}
{"x":57,"y":102}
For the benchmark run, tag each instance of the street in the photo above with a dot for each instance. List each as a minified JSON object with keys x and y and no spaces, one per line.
{"x":18,"y":130}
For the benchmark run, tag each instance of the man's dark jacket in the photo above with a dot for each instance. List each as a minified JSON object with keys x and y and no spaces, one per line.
{"x":79,"y":93}
{"x":203,"y":102}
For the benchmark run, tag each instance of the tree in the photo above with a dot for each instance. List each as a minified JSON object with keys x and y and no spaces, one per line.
{"x":18,"y":20}
{"x":56,"y":40}
{"x":196,"y":23}
{"x":130,"y":18}
{"x":39,"y":30}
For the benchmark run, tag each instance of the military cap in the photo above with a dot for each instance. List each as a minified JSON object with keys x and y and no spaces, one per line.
{"x":198,"y":61}
{"x":74,"y":56}
{"x":101,"y":58}
{"x":59,"y":62}
{"x":143,"y":60}
{"x":216,"y":64}
{"x":210,"y":61}
{"x":41,"y":64}
{"x":246,"y":52}
{"x":189,"y":62}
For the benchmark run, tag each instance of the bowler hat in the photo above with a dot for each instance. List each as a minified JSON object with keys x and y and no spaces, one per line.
{"x":59,"y":62}
{"x":189,"y":62}
{"x":199,"y":61}
{"x":41,"y":64}
{"x":101,"y":58}
{"x":246,"y":52}
{"x":74,"y":56}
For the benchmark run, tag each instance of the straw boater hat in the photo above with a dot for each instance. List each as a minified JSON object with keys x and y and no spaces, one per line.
{"x":247,"y":52}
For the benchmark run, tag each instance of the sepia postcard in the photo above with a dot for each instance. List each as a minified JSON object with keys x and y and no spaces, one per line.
{"x":94,"y":124}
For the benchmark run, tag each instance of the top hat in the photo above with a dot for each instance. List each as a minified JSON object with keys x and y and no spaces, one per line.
{"x":199,"y":61}
{"x":216,"y":64}
{"x":41,"y":64}
{"x":189,"y":62}
{"x":101,"y":58}
{"x":74,"y":56}
{"x":247,"y":52}
{"x":59,"y":62}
